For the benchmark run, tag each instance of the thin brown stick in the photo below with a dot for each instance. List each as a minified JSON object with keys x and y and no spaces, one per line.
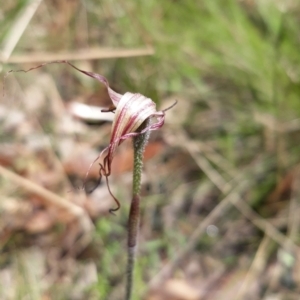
{"x":50,"y":198}
{"x":258,"y":265}
{"x":84,"y":54}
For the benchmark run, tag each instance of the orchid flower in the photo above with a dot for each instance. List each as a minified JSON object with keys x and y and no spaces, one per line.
{"x":131,"y":111}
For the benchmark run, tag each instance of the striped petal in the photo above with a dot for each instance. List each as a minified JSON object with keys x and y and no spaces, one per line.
{"x":131,"y":112}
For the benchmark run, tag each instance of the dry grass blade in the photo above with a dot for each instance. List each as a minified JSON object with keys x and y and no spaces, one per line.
{"x":206,"y":167}
{"x":293,"y":219}
{"x":284,"y":241}
{"x":84,"y":54}
{"x":257,"y":267}
{"x":195,"y":150}
{"x":17,"y":30}
{"x":216,"y":158}
{"x":50,"y":198}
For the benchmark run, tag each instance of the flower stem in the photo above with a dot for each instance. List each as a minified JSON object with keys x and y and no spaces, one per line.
{"x":139,"y":143}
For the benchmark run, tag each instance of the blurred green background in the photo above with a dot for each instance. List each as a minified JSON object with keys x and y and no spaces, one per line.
{"x":233,"y":138}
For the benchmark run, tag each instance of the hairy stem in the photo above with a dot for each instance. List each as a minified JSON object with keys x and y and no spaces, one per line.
{"x":139,"y":143}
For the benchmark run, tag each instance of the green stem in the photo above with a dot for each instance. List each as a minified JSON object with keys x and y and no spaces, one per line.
{"x":139,"y":143}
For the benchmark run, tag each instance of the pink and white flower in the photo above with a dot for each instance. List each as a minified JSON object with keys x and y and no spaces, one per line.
{"x":131,"y":110}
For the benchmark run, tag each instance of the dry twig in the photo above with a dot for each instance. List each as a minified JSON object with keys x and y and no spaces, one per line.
{"x":84,"y":54}
{"x":52,"y":199}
